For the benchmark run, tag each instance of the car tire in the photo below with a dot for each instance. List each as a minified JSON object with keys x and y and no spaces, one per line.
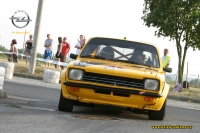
{"x":65,"y":104}
{"x":157,"y":115}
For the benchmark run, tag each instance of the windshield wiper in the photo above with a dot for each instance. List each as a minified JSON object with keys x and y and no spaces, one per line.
{"x":138,"y":63}
{"x":92,"y":56}
{"x":142,"y":63}
{"x":97,"y":57}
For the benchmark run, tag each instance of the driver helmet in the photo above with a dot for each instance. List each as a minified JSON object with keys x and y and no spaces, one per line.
{"x":107,"y":52}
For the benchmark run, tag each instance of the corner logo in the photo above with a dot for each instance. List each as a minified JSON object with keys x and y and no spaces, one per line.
{"x":20,"y":19}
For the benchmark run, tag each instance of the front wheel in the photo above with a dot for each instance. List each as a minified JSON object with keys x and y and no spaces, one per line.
{"x":157,"y":115}
{"x":65,"y":104}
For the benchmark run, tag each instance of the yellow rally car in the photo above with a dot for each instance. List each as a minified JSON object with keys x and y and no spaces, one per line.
{"x":116,"y":72}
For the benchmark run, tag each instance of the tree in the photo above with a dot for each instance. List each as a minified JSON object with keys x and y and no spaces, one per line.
{"x":20,"y":50}
{"x":193,"y":82}
{"x":39,"y":55}
{"x":3,"y":48}
{"x":177,"y":19}
{"x":169,"y":80}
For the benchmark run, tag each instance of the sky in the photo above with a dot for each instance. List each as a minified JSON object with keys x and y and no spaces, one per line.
{"x":70,"y":18}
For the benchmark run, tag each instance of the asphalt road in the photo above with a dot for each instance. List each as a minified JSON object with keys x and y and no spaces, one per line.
{"x":33,"y":108}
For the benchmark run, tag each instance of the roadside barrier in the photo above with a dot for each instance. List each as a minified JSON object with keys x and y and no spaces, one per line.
{"x":38,"y":59}
{"x":9,"y":69}
{"x":51,"y":76}
{"x":2,"y":75}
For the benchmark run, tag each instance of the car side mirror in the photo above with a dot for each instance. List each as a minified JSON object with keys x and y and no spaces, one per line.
{"x":73,"y":56}
{"x":167,"y":69}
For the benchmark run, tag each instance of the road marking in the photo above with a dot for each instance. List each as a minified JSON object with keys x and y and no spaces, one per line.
{"x":95,"y":117}
{"x":24,"y":99}
{"x":30,"y":107}
{"x":27,"y":81}
{"x":37,"y":108}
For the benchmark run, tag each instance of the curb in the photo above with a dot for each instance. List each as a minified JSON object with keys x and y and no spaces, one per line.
{"x":29,"y":76}
{"x":184,"y":99}
{"x":172,"y":97}
{"x":3,"y":93}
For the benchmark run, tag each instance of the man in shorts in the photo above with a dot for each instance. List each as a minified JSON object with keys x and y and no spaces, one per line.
{"x":48,"y":49}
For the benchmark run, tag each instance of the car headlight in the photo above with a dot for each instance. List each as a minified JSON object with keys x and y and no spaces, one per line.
{"x":75,"y":74}
{"x":151,"y":84}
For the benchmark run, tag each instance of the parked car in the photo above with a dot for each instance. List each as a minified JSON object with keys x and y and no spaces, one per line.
{"x":116,"y":72}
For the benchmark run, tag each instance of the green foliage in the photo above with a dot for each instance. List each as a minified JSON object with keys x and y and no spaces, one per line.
{"x":193,"y":83}
{"x":20,"y":50}
{"x":39,"y":55}
{"x":177,"y":19}
{"x":2,"y":48}
{"x":174,"y":19}
{"x":169,"y":80}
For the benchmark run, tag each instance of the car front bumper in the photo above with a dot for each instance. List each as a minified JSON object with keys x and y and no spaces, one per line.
{"x":129,"y":98}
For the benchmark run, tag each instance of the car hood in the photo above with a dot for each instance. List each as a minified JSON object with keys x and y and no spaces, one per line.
{"x":116,"y":68}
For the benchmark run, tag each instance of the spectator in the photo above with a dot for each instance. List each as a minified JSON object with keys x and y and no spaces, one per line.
{"x":65,"y":50}
{"x":178,"y":87}
{"x":58,"y":53}
{"x":48,"y":49}
{"x":80,"y":44}
{"x":28,"y":47}
{"x":184,"y":84}
{"x":166,"y":59}
{"x":14,"y":56}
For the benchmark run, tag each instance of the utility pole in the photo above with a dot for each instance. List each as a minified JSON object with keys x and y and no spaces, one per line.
{"x":198,"y":81}
{"x":186,"y":77}
{"x":31,"y":69}
{"x":176,"y":81}
{"x":23,"y":43}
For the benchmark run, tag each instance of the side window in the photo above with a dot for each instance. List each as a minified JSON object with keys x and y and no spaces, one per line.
{"x":156,"y":61}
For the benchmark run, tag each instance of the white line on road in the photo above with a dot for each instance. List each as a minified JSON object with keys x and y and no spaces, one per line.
{"x":24,"y":99}
{"x":37,"y":108}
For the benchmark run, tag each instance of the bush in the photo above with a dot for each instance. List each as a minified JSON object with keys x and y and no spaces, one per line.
{"x":2,"y":48}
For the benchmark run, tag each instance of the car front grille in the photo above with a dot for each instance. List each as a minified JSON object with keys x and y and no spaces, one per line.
{"x":113,"y":80}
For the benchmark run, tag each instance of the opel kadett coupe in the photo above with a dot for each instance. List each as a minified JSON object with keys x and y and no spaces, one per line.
{"x":116,"y":72}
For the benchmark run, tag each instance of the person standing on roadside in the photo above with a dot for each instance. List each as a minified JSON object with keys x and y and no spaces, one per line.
{"x":48,"y":49}
{"x":14,"y":56}
{"x":166,"y":59}
{"x":58,"y":53}
{"x":28,"y":47}
{"x":64,"y":51}
{"x":80,"y":44}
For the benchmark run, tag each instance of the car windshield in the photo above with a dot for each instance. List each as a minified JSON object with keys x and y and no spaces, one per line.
{"x":121,"y":51}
